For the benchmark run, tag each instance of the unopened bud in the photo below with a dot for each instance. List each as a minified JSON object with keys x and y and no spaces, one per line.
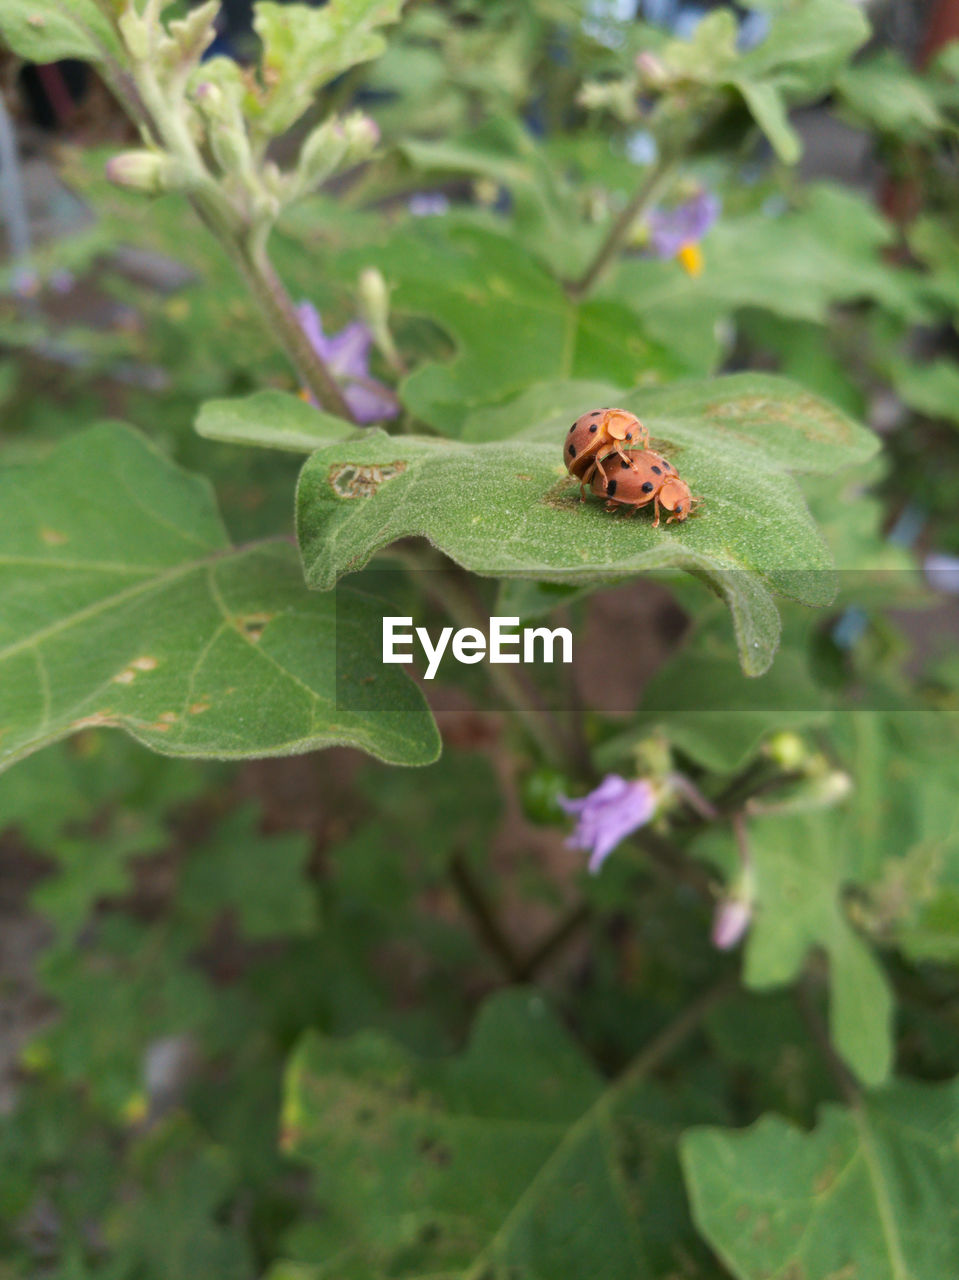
{"x":373,"y":297}
{"x":734,"y":912}
{"x":231,"y":148}
{"x":817,"y":791}
{"x":146,"y":171}
{"x":652,"y":72}
{"x":362,"y":135}
{"x":787,"y":749}
{"x":331,"y":146}
{"x":733,"y":917}
{"x":209,"y":96}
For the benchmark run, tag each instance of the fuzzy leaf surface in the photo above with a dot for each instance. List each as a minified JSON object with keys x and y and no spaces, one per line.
{"x":509,"y":509}
{"x":124,"y":605}
{"x":455,"y":1167}
{"x":44,"y":31}
{"x":870,"y":1192}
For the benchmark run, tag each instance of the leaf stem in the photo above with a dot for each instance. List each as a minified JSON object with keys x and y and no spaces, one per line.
{"x":846,"y":1082}
{"x":166,"y":122}
{"x":485,"y":919}
{"x":645,"y":194}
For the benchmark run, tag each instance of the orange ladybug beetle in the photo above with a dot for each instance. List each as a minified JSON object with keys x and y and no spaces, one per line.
{"x":646,"y":477}
{"x":596,"y":436}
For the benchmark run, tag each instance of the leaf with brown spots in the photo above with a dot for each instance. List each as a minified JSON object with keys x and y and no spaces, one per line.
{"x":869,"y":1194}
{"x":143,"y":617}
{"x":514,"y":1158}
{"x":501,"y":504}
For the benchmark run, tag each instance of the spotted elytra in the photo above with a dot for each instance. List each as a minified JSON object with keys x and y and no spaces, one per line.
{"x":645,"y":477}
{"x":597,"y":436}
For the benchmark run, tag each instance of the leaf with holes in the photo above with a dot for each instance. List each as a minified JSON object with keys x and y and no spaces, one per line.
{"x":508,"y":508}
{"x":457,"y":1167}
{"x":510,"y":320}
{"x":869,"y":1194}
{"x":125,"y":605}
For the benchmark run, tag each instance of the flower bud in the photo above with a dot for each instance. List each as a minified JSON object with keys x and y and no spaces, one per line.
{"x":231,"y":148}
{"x":321,"y":155}
{"x":733,"y":917}
{"x":373,"y":297}
{"x":734,"y":911}
{"x":652,"y":72}
{"x":332,"y":145}
{"x":147,"y":171}
{"x":787,"y":749}
{"x":362,"y":135}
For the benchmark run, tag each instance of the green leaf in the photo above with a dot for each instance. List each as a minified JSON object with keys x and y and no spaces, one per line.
{"x":700,"y":700}
{"x":769,"y":111}
{"x":510,"y":319}
{"x":509,"y":509}
{"x":129,"y":979}
{"x":260,"y":877}
{"x":903,"y":836}
{"x":931,"y":388}
{"x":808,"y":43}
{"x":511,"y":1159}
{"x":802,"y":865}
{"x":47,"y":30}
{"x":869,"y":1193}
{"x":178,"y":1218}
{"x":885,"y":93}
{"x":273,"y":420}
{"x":791,"y":262}
{"x":125,"y":606}
{"x":305,"y":48}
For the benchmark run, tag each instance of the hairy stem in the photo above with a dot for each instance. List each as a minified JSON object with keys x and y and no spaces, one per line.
{"x":645,"y":194}
{"x":166,"y":123}
{"x":485,"y":919}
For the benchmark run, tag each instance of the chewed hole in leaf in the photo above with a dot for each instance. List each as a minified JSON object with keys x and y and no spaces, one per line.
{"x":254,"y":624}
{"x":351,"y":480}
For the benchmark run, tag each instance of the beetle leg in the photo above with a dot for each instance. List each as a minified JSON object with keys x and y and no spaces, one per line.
{"x":624,"y":455}
{"x":656,"y":510}
{"x":584,"y":481}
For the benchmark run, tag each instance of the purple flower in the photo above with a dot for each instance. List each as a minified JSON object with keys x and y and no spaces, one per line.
{"x":428,"y":204}
{"x":671,"y":230}
{"x":347,"y":356}
{"x":733,"y":917}
{"x":608,"y":814}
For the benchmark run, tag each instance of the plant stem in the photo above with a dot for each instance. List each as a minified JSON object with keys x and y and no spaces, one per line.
{"x":166,"y":122}
{"x":645,"y":194}
{"x":561,"y":933}
{"x":484,"y":918}
{"x":277,"y":306}
{"x":680,"y":1029}
{"x":846,"y":1082}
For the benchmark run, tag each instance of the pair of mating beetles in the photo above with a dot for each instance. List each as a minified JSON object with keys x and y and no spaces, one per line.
{"x":633,"y":475}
